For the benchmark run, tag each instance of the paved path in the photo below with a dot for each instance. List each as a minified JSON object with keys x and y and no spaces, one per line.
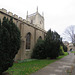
{"x":64,"y":66}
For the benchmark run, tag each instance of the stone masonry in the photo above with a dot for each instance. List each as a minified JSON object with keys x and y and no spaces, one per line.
{"x":36,"y":30}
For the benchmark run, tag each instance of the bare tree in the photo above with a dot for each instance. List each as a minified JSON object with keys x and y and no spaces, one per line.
{"x":70,"y":33}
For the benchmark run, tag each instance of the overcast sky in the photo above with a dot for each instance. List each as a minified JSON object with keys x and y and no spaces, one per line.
{"x":58,"y":14}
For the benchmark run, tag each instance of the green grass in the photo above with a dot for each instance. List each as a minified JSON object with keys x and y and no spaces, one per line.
{"x":73,"y":52}
{"x":27,"y":67}
{"x":65,"y":53}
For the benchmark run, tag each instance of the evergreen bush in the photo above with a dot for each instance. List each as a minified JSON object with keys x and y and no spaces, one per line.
{"x":64,"y":47}
{"x":52,"y":44}
{"x":9,"y":43}
{"x":49,"y":48}
{"x":39,"y":50}
{"x":61,"y":50}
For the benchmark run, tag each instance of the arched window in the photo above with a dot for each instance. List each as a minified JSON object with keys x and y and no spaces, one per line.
{"x":40,"y":37}
{"x":28,"y":40}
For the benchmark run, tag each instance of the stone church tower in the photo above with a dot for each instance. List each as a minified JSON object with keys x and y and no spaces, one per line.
{"x":36,"y":19}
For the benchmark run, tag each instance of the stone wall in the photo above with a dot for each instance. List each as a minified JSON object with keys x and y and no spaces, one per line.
{"x":25,"y":27}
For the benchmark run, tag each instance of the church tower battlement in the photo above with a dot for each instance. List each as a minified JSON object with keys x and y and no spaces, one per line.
{"x":36,"y":19}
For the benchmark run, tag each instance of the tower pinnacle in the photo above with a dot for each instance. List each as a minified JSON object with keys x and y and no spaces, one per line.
{"x":27,"y":15}
{"x":37,"y":9}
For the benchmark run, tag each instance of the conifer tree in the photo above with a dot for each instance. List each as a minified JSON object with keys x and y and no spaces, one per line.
{"x":9,"y":43}
{"x":52,"y":44}
{"x":39,"y":50}
{"x":0,"y":23}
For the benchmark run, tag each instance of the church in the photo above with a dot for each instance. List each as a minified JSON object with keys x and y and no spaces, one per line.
{"x":31,"y":28}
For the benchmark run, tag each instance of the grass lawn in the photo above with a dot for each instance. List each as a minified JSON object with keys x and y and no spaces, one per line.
{"x":28,"y":67}
{"x":73,"y":52}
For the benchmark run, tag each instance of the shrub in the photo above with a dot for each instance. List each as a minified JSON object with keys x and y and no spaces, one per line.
{"x":64,"y":47}
{"x":61,"y":50}
{"x":39,"y":50}
{"x":9,"y":43}
{"x":49,"y":48}
{"x":52,"y":44}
